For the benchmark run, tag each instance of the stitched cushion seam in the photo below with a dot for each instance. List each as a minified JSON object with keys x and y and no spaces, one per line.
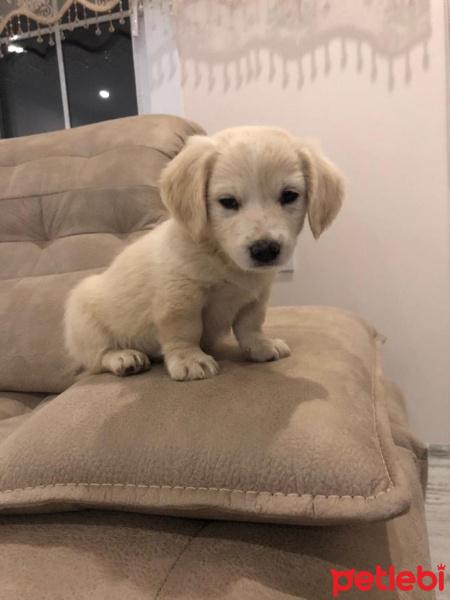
{"x":192,"y":488}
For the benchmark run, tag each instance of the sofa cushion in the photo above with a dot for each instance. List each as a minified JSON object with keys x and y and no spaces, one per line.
{"x":123,"y":556}
{"x":302,"y":440}
{"x":70,"y":201}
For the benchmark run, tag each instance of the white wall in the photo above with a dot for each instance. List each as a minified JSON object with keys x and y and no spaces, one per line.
{"x":369,"y":81}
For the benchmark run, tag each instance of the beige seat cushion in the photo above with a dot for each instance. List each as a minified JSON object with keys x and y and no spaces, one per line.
{"x":69,"y":202}
{"x":302,"y":440}
{"x":121,"y":556}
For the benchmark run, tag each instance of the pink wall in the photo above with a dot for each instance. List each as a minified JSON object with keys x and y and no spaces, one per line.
{"x":369,"y":81}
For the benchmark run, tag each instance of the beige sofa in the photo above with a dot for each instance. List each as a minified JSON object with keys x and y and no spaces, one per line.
{"x":253,"y":485}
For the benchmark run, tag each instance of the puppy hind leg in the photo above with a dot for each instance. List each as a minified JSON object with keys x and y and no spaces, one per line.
{"x":89,"y":342}
{"x":86,"y":338}
{"x":92,"y":347}
{"x":86,"y":341}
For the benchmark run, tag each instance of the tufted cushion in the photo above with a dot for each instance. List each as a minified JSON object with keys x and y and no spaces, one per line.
{"x":302,"y":440}
{"x":69,"y":202}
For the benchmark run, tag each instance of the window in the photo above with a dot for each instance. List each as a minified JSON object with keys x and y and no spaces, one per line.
{"x":30,"y":91}
{"x":63,"y":78}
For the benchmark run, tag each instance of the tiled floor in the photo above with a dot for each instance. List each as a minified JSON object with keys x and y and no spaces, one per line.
{"x":437,"y":508}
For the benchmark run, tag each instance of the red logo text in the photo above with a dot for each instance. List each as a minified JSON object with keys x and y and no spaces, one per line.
{"x":387,"y":580}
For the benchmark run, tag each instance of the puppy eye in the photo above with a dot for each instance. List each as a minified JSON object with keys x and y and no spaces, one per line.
{"x":288,"y":196}
{"x":230,"y":203}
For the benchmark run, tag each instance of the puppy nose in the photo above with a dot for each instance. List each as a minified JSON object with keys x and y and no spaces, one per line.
{"x":265,"y":251}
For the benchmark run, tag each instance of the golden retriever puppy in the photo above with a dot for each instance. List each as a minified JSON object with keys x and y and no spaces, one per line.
{"x":238,"y":201}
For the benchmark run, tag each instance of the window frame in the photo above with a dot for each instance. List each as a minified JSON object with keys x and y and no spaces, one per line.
{"x":152,"y":24}
{"x":55,"y":31}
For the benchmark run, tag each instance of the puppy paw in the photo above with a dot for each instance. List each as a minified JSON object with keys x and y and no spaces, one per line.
{"x":125,"y":362}
{"x":190,"y":366}
{"x":265,"y":350}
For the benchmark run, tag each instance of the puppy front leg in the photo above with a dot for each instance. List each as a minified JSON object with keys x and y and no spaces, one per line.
{"x":255,"y":345}
{"x":179,"y":332}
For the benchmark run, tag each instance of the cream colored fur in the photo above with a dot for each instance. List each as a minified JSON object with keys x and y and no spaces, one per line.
{"x":185,"y":284}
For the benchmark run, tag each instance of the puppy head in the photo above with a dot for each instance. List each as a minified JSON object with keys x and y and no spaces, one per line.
{"x":248,"y":190}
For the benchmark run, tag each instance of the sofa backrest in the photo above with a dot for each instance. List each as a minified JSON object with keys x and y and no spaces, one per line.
{"x":69,"y":202}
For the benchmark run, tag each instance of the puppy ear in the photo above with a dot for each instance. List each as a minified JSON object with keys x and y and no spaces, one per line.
{"x":184,"y":181}
{"x":325,"y":187}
